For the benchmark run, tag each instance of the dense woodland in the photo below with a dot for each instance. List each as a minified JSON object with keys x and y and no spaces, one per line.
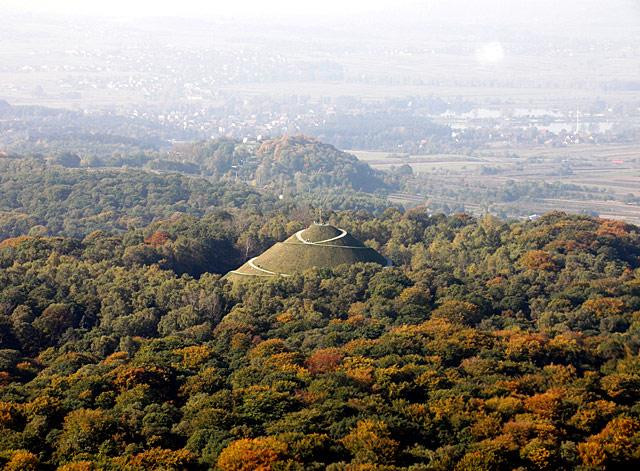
{"x":47,"y":198}
{"x":491,"y":345}
{"x":293,"y":170}
{"x":295,"y":164}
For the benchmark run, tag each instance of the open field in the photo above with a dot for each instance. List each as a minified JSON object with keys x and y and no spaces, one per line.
{"x":601,"y":179}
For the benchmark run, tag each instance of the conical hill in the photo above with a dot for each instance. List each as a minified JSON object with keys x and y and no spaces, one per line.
{"x":320,"y":245}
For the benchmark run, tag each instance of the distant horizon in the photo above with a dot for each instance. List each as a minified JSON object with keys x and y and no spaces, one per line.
{"x":484,"y":12}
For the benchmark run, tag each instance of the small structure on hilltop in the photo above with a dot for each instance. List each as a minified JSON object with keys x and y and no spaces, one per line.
{"x":320,"y":245}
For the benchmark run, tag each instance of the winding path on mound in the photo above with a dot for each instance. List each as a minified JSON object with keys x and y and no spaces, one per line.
{"x":304,"y":241}
{"x":268,"y":272}
{"x":256,"y":267}
{"x":253,"y":275}
{"x":323,"y":243}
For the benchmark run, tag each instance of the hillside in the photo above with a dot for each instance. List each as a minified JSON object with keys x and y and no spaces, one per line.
{"x":287,"y":164}
{"x":318,"y":163}
{"x":489,"y":345}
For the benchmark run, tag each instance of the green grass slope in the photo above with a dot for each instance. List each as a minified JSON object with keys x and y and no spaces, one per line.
{"x":317,"y":246}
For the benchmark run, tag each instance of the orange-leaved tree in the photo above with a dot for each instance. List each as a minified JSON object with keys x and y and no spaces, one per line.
{"x":252,"y":454}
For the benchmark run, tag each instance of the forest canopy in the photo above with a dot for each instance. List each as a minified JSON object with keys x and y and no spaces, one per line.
{"x":490,"y":345}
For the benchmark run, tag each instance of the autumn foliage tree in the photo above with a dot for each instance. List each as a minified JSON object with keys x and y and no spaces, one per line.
{"x":370,"y":442}
{"x":252,"y":454}
{"x":617,"y":443}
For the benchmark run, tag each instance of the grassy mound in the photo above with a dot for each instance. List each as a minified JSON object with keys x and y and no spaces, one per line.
{"x":283,"y":258}
{"x":295,"y":255}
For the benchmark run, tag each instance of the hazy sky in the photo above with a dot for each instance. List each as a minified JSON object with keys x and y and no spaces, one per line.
{"x":536,"y":13}
{"x":201,"y":7}
{"x":487,"y":9}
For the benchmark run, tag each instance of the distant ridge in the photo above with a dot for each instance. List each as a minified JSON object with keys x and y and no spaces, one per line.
{"x":319,"y":245}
